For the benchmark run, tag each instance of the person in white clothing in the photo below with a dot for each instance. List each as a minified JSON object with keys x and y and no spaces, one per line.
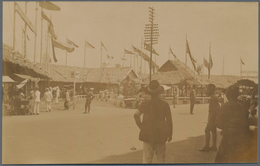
{"x":37,"y":101}
{"x":57,"y":95}
{"x":48,"y":99}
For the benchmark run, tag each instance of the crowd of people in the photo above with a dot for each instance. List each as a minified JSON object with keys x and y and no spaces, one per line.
{"x":226,"y":112}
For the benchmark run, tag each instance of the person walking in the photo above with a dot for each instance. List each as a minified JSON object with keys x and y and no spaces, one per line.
{"x":156,"y":125}
{"x":192,"y":98}
{"x":233,"y":120}
{"x":211,"y":126}
{"x":32,"y":99}
{"x":89,"y":98}
{"x":67,"y":100}
{"x":57,"y":95}
{"x":37,"y":101}
{"x":48,"y":99}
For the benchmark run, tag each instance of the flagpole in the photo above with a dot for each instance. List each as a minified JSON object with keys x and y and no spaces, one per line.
{"x":35,"y":34}
{"x":14,"y":27}
{"x":240,"y":68}
{"x":131,"y":57}
{"x":209,"y":61}
{"x":66,"y":59}
{"x":186,"y":53}
{"x":84,"y":60}
{"x":41,"y":39}
{"x":141,"y":60}
{"x":169,"y":53}
{"x":101,"y":54}
{"x":123,"y":58}
{"x":223,"y":66}
{"x":25,"y":29}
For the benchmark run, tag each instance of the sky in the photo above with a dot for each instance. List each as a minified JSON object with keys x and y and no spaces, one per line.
{"x":230,"y":27}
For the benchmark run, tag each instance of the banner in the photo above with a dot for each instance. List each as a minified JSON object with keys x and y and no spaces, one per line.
{"x":72,"y":43}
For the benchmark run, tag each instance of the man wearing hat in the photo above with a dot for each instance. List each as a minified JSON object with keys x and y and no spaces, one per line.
{"x":211,"y":126}
{"x":156,"y":125}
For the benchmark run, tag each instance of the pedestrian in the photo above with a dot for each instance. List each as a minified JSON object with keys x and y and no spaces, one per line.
{"x":57,"y":95}
{"x":32,"y":99}
{"x":89,"y":98}
{"x":211,"y":126}
{"x":67,"y":100}
{"x":175,"y":97}
{"x":48,"y":99}
{"x":156,"y":125}
{"x":233,"y":120}
{"x":192,"y":98}
{"x":37,"y":101}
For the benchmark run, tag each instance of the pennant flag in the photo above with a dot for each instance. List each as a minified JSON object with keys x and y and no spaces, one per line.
{"x":128,"y":52}
{"x":72,"y":43}
{"x":63,"y":46}
{"x":172,"y":52}
{"x":102,"y":45}
{"x":241,"y":61}
{"x":45,"y":17}
{"x":88,"y":45}
{"x":148,"y":48}
{"x":206,"y":63}
{"x":51,"y":31}
{"x":49,"y":5}
{"x":193,"y":61}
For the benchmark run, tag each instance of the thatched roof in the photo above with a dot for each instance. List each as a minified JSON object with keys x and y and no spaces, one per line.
{"x":91,"y":75}
{"x":18,"y":61}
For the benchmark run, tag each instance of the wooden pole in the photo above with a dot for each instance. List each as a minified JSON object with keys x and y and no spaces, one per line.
{"x":101,"y":55}
{"x":35,"y":36}
{"x":74,"y":88}
{"x":66,"y":59}
{"x":41,"y":40}
{"x":25,"y":32}
{"x":14,"y":27}
{"x":84,"y":61}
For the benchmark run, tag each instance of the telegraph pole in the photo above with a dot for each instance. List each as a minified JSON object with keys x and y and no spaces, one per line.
{"x":151,"y":34}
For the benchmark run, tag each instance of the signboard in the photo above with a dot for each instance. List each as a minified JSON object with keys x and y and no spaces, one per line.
{"x":25,"y":18}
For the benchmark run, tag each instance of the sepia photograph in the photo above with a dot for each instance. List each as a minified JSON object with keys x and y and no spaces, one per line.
{"x":129,"y":82}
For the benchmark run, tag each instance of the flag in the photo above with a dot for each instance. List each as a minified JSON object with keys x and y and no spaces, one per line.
{"x":45,"y":17}
{"x":128,"y":52}
{"x":63,"y":46}
{"x":210,"y":61}
{"x":87,"y":44}
{"x":241,"y":61}
{"x":148,"y":48}
{"x":135,"y":49}
{"x":206,"y":63}
{"x":193,"y":61}
{"x":51,"y":31}
{"x":110,"y":57}
{"x":72,"y":43}
{"x":199,"y":68}
{"x":172,"y":52}
{"x":102,"y":45}
{"x":49,"y":5}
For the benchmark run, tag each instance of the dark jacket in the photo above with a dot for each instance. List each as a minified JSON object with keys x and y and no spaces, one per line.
{"x":233,"y":120}
{"x":156,"y":124}
{"x":213,"y":108}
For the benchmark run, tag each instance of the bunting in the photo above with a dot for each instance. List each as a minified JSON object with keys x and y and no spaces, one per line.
{"x":172,"y":52}
{"x":102,"y":45}
{"x":148,"y":48}
{"x":49,"y":5}
{"x":88,"y":45}
{"x":72,"y":43}
{"x":128,"y":52}
{"x":193,"y":61}
{"x":63,"y":46}
{"x":241,"y":61}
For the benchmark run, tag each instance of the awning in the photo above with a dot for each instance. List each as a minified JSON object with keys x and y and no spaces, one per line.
{"x":21,"y":84}
{"x":7,"y":79}
{"x":25,"y":76}
{"x":165,"y":87}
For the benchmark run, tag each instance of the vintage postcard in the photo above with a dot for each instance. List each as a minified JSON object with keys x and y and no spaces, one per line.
{"x":129,"y":82}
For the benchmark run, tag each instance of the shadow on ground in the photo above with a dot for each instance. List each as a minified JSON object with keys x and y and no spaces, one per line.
{"x":185,"y":151}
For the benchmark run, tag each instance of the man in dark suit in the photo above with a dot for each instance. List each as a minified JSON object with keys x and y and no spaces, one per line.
{"x":156,"y":124}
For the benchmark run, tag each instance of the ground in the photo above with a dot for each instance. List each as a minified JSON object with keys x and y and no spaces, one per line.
{"x":106,"y":135}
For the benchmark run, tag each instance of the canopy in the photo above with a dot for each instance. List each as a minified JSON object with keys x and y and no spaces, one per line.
{"x":21,"y":84}
{"x":165,"y":87}
{"x":247,"y":82}
{"x":25,"y":76}
{"x":7,"y":79}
